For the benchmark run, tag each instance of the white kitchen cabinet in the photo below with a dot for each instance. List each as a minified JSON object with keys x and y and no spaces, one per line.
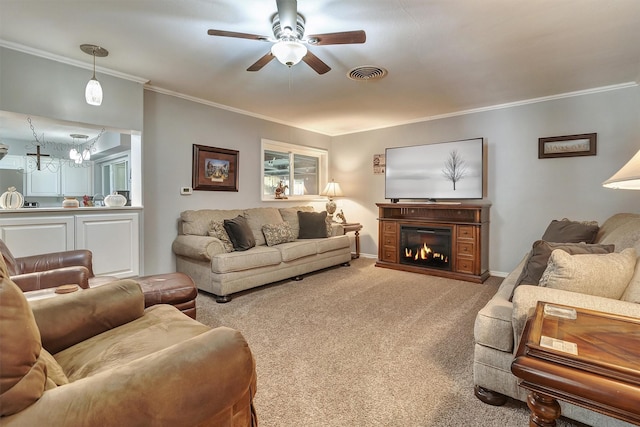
{"x":77,"y":181}
{"x":44,"y":182}
{"x":112,"y":236}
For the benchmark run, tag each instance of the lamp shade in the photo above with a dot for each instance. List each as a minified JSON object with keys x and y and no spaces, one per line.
{"x":93,"y":92}
{"x":289,"y":52}
{"x":332,"y":190}
{"x":627,"y":178}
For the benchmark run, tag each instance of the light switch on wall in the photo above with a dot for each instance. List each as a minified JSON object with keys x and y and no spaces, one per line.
{"x":186,"y":191}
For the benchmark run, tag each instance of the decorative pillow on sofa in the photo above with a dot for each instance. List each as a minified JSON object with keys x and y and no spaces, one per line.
{"x":290,"y":215}
{"x":217,"y":230}
{"x":313,"y":225}
{"x":274,"y":234}
{"x":566,"y":231}
{"x":240,"y":233}
{"x":603,"y":275}
{"x":539,"y":257}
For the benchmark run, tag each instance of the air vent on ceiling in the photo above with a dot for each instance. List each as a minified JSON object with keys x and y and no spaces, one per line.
{"x":366,"y":73}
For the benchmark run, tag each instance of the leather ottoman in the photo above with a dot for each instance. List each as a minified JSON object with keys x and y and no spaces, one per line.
{"x":176,"y":289}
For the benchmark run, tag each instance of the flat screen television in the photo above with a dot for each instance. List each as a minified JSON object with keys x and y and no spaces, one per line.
{"x":442,"y":171}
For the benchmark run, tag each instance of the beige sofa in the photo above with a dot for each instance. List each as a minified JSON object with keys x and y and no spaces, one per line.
{"x":216,"y":270}
{"x":499,"y":324}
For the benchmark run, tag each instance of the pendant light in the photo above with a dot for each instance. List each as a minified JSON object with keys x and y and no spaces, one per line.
{"x":93,"y":91}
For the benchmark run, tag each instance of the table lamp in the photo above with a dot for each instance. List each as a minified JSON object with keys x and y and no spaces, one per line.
{"x":331,"y":190}
{"x":628,"y":177}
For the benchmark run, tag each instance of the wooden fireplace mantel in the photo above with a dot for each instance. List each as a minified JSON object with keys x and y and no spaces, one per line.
{"x":469,"y":224}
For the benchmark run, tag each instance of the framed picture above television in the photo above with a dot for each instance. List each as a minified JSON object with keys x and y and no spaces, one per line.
{"x":441,"y":171}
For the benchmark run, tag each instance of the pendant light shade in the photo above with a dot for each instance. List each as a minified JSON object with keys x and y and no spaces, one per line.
{"x":93,"y":91}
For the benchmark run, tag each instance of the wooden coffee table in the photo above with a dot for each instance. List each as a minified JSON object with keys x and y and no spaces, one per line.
{"x":588,"y":358}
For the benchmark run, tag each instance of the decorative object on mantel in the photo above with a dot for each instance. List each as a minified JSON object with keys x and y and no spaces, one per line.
{"x":70,"y":202}
{"x":280,"y":191}
{"x":11,"y":199}
{"x":567,"y":146}
{"x":340,"y":216}
{"x":332,"y":190}
{"x":628,"y":177}
{"x":93,"y":91}
{"x":115,"y":200}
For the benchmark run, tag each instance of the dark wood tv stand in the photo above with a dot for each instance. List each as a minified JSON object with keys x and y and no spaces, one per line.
{"x":469,"y":224}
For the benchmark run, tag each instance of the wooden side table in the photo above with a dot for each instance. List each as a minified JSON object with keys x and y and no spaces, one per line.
{"x":584,"y":357}
{"x":355,"y":227}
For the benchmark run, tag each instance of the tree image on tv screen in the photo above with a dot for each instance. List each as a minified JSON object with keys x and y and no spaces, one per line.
{"x":455,"y":168}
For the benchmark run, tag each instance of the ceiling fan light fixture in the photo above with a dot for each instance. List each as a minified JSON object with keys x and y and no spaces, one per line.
{"x":289,"y":52}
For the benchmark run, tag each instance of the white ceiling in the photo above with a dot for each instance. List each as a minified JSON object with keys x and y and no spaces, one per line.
{"x":443,"y":56}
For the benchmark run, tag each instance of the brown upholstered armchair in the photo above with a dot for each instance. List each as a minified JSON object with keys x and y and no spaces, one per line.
{"x":97,"y":357}
{"x":49,"y":270}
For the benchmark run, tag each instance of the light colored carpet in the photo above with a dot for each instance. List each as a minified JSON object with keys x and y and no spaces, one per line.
{"x":364,"y":346}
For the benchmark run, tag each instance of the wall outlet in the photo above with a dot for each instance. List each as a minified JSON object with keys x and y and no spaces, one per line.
{"x":185,"y":191}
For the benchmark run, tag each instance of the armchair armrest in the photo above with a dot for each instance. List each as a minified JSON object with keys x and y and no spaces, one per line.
{"x":197,"y":247}
{"x":78,"y":275}
{"x":68,"y":319}
{"x":526,"y":297}
{"x":200,"y":381}
{"x":53,"y":260}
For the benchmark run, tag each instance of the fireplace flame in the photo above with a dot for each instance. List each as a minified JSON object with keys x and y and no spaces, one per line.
{"x":424,"y":253}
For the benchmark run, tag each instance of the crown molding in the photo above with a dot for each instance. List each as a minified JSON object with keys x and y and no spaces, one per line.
{"x":69,"y":61}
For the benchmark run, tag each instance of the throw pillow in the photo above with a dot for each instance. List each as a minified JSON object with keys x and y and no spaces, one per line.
{"x":566,"y":231}
{"x":290,"y":215}
{"x":274,"y":234}
{"x":603,"y":275}
{"x":632,"y":293}
{"x":313,"y":225}
{"x":240,"y":233}
{"x":539,"y":257}
{"x":217,"y":230}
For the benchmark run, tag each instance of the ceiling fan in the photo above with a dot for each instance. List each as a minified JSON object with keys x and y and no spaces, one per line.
{"x":289,"y":40}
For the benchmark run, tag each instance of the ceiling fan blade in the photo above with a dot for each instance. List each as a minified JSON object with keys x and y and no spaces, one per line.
{"x":344,"y":37}
{"x":288,"y":13}
{"x":316,"y":63}
{"x":257,"y":66}
{"x":237,"y":35}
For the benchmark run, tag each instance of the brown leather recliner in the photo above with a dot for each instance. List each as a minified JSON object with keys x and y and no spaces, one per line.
{"x":98,"y":357}
{"x":37,"y":272}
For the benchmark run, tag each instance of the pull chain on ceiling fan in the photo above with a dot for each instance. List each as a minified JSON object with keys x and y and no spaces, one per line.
{"x":289,"y":41}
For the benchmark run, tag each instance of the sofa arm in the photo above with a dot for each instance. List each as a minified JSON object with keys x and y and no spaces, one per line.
{"x":336,"y":229}
{"x":526,"y":298}
{"x":197,"y":247}
{"x":50,"y":261}
{"x":52,"y":278}
{"x":68,"y":319}
{"x":205,"y":380}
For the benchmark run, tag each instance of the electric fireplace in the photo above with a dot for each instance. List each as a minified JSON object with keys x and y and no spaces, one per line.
{"x":425,"y":246}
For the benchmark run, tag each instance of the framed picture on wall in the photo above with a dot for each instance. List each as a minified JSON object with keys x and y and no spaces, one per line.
{"x":214,"y":169}
{"x":567,"y":146}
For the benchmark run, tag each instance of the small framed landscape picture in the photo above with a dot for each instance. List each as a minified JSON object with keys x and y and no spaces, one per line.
{"x":214,"y":169}
{"x":567,"y":146}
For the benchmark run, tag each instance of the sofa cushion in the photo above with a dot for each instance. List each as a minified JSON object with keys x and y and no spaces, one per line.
{"x":274,"y":234}
{"x":298,"y":249}
{"x":313,"y":225}
{"x":566,"y":231}
{"x":256,"y":257}
{"x":604,"y":275}
{"x":290,"y":215}
{"x":539,"y":257}
{"x":257,"y":217}
{"x":632,"y":293}
{"x":333,"y":244}
{"x":22,"y":370}
{"x":55,"y":373}
{"x":217,"y":230}
{"x":198,"y":222}
{"x":240,"y":234}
